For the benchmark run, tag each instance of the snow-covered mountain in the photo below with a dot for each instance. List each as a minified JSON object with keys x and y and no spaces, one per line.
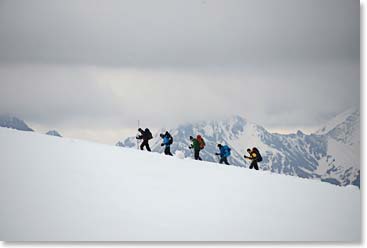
{"x":14,"y":123}
{"x":342,"y":163}
{"x":72,"y":190}
{"x":330,"y":155}
{"x":54,"y":133}
{"x":129,"y":142}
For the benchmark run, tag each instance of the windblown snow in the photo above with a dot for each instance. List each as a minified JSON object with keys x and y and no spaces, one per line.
{"x":56,"y":189}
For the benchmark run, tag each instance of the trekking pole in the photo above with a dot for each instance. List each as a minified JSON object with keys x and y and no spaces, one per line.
{"x":137,"y":141}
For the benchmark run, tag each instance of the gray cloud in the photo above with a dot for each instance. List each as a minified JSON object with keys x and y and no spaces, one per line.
{"x":277,"y":96}
{"x":88,"y":66}
{"x":178,"y":33}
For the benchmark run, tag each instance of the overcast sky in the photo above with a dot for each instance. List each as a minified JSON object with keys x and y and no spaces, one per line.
{"x":91,"y":69}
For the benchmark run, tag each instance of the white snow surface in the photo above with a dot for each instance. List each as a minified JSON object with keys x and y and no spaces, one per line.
{"x":70,"y":190}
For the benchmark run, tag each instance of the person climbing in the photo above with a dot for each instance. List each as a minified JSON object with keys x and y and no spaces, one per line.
{"x":167,"y":141}
{"x":255,"y":157}
{"x":224,"y":153}
{"x":146,"y":135}
{"x":196,"y":146}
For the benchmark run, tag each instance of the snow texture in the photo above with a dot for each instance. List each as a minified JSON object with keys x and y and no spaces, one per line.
{"x":70,"y":190}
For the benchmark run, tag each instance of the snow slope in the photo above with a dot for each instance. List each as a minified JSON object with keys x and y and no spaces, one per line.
{"x":62,"y":189}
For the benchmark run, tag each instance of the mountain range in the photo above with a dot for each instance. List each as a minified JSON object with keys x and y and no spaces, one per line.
{"x":331,"y":154}
{"x":12,"y":122}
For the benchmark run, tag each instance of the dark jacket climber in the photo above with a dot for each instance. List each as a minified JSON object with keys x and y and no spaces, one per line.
{"x":255,"y":157}
{"x":146,"y":135}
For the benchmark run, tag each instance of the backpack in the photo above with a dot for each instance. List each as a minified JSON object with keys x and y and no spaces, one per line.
{"x":227,"y":151}
{"x":258,"y":155}
{"x":148,"y":134}
{"x":201,"y":142}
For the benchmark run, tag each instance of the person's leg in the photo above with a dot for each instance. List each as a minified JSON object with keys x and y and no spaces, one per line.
{"x":256,"y":165}
{"x":142,"y":145}
{"x":169,"y":151}
{"x":252,"y":165}
{"x":148,"y":147}
{"x":226,"y":161}
{"x":221,"y":160}
{"x":199,"y":155}
{"x":196,"y":155}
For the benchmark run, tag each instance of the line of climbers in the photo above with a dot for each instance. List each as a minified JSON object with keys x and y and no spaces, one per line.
{"x":197,"y":144}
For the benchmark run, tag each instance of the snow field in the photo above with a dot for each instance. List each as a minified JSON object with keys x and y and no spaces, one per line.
{"x":56,"y":189}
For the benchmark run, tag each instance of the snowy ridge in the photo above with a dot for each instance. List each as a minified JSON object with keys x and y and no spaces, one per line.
{"x":339,"y":120}
{"x":93,"y":192}
{"x":14,"y":123}
{"x":332,"y":156}
{"x":342,"y":163}
{"x":54,"y":133}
